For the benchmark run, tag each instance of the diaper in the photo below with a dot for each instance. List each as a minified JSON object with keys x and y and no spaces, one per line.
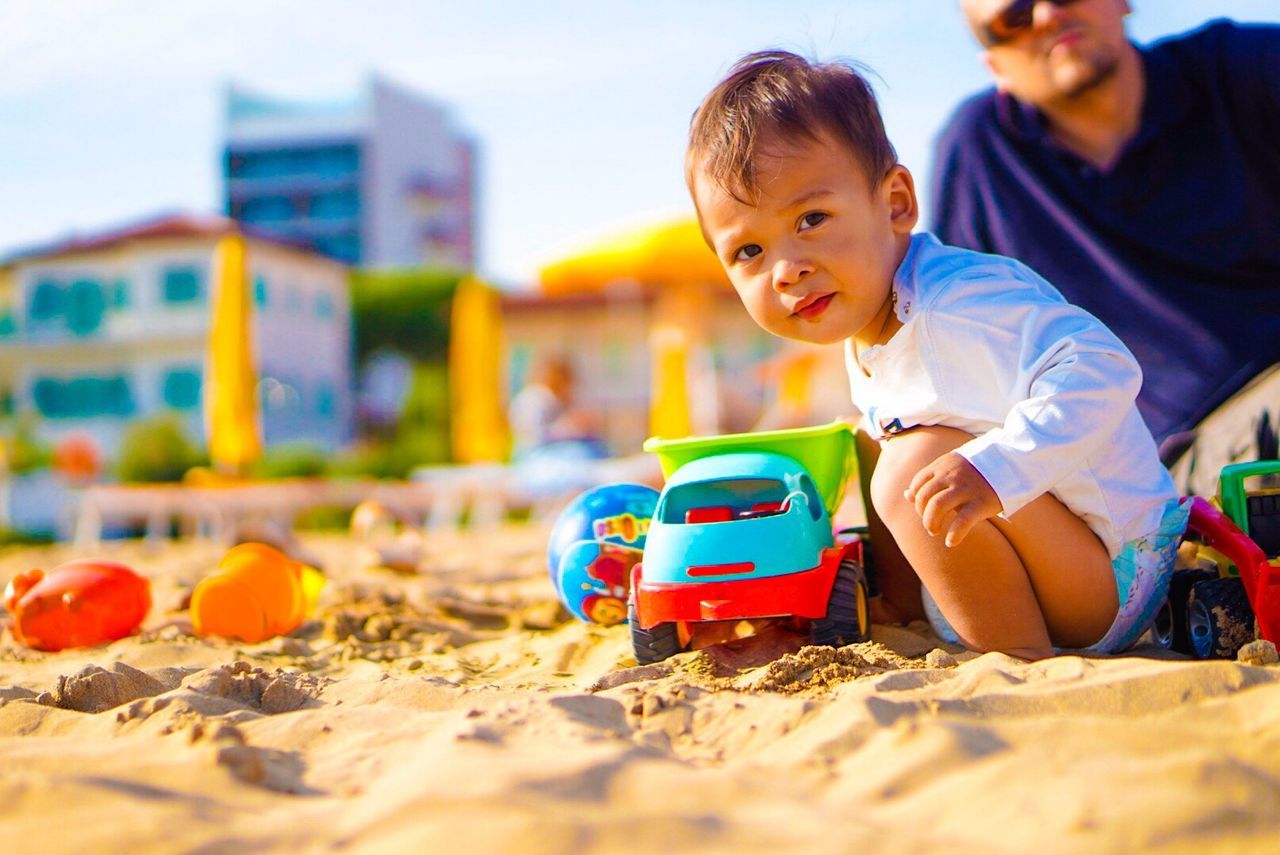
{"x":1143,"y":569}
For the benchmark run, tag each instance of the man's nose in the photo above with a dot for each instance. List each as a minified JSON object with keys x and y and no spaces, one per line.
{"x":789,"y":271}
{"x":1045,"y":14}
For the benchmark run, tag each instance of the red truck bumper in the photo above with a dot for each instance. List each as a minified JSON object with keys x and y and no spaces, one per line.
{"x":804,"y":594}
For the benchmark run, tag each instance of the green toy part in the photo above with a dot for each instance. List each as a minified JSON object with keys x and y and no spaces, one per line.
{"x":825,"y":451}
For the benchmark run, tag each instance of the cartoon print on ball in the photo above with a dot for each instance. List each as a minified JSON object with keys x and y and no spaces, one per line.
{"x":613,"y":513}
{"x":595,"y":579}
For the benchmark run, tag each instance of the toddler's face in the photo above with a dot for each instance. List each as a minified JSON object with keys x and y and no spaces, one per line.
{"x":813,"y":259}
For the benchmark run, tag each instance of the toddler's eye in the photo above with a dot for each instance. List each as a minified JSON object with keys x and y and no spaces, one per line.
{"x":748,"y":252}
{"x":811,"y":219}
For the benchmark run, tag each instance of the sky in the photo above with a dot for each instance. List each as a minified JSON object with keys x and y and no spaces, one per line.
{"x":112,"y":110}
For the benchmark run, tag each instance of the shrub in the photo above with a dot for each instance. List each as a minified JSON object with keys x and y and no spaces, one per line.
{"x":26,"y":451}
{"x":292,"y":460}
{"x":421,"y":433}
{"x":13,"y":537}
{"x":157,"y":448}
{"x":390,"y":459}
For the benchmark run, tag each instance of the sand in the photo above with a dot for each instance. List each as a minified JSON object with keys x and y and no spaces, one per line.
{"x":462,"y":708}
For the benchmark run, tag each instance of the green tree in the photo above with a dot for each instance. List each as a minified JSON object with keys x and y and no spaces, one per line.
{"x":403,"y":310}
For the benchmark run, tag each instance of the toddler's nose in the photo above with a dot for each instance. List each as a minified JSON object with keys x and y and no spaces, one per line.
{"x":789,"y":271}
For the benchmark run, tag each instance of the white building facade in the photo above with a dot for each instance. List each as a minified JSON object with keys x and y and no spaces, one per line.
{"x":112,"y":328}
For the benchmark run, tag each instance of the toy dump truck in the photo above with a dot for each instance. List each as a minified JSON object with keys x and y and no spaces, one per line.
{"x":1231,"y":595}
{"x":742,"y":531}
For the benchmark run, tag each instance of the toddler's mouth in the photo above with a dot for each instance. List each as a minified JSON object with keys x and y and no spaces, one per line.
{"x":813,"y":306}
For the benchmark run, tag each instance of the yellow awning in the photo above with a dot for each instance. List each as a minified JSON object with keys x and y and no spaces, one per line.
{"x":671,"y":254}
{"x":672,"y":259}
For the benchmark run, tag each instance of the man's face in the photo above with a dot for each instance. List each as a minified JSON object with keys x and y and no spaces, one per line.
{"x":1065,"y":51}
{"x":814,"y":254}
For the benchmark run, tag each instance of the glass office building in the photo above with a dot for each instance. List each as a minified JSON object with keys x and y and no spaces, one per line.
{"x":385,"y":180}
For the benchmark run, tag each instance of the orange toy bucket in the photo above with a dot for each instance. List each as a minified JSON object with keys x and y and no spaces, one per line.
{"x":256,"y":593}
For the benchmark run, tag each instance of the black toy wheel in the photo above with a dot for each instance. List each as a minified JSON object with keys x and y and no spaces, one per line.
{"x":1170,"y":628}
{"x":655,"y":644}
{"x":1219,"y":618}
{"x":848,"y":620}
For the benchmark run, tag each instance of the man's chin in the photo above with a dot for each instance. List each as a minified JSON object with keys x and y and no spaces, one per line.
{"x":1076,"y":77}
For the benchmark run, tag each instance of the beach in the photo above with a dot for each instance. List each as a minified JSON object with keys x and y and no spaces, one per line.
{"x":462,"y":707}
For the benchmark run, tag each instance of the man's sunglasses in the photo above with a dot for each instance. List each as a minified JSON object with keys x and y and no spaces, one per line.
{"x":1012,"y":21}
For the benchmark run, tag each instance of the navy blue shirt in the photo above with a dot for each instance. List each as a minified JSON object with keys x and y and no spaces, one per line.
{"x":1177,"y":246}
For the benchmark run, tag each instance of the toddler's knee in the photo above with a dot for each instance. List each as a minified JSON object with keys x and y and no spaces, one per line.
{"x":899,"y":461}
{"x":888,"y":483}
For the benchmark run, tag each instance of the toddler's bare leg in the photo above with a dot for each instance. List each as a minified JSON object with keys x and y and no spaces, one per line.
{"x":1018,"y":585}
{"x":899,"y":599}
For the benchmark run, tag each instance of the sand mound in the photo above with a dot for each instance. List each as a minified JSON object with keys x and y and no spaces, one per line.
{"x":462,"y":706}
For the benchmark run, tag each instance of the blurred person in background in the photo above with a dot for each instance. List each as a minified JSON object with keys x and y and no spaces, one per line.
{"x":1145,"y":183}
{"x":544,"y":411}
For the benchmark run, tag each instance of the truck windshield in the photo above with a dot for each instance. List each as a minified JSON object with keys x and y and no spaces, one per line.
{"x":722,"y":501}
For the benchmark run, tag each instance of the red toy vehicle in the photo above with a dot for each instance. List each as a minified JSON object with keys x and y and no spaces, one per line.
{"x":742,"y":531}
{"x":1232,"y":595}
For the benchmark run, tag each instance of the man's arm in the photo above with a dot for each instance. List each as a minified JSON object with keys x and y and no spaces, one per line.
{"x":1255,"y":58}
{"x":1247,"y":69}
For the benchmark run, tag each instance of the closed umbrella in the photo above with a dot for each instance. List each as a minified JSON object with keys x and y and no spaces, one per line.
{"x":230,"y":384}
{"x":478,"y":426}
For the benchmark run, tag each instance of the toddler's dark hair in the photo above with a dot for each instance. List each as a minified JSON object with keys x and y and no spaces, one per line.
{"x":776,"y":95}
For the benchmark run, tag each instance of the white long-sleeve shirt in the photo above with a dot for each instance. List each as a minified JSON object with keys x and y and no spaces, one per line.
{"x":989,"y":347}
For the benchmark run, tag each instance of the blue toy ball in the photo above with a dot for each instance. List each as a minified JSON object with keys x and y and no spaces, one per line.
{"x":614,"y":515}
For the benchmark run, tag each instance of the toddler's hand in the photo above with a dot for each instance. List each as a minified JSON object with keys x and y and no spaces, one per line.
{"x":951,"y":495}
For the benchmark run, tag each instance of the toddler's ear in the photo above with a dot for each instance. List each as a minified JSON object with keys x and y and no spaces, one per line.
{"x":900,"y":194}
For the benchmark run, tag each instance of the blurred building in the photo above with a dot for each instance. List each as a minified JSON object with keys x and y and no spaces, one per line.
{"x":381,"y":181}
{"x":660,"y":344}
{"x":606,"y":339}
{"x":102,"y":329}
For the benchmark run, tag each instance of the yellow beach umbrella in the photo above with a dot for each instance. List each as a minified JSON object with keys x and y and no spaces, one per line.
{"x":479,"y":427}
{"x":230,"y":385}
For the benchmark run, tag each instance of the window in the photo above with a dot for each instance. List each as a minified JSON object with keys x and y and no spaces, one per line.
{"x":48,"y":397}
{"x":521,"y":357}
{"x":120,"y":294}
{"x":324,"y":305}
{"x":325,"y":400}
{"x":83,"y":397}
{"x":344,"y":247}
{"x":86,"y":305}
{"x":182,"y":388}
{"x":260,"y":295}
{"x":182,"y":285}
{"x":267,"y":209}
{"x":335,"y":205}
{"x":6,"y":323}
{"x":739,"y":496}
{"x":48,"y":301}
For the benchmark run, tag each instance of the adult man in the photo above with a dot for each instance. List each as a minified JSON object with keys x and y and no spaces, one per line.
{"x":1145,"y":184}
